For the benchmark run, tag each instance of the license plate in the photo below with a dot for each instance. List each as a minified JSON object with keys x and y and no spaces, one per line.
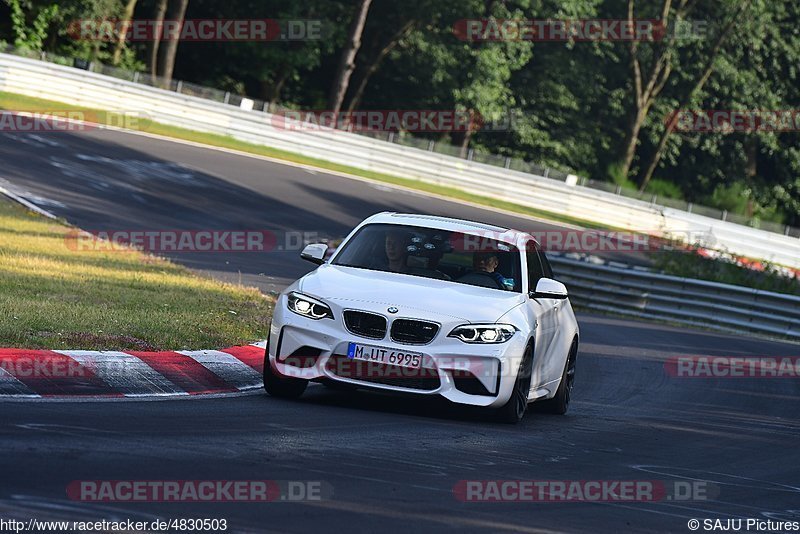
{"x":371,"y":353}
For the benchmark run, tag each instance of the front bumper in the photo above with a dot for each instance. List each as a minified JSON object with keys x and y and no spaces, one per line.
{"x":471,"y":374}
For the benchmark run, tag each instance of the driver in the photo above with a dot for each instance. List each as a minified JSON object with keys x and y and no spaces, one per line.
{"x":487,"y":262}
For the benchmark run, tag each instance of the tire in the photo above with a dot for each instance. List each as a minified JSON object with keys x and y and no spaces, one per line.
{"x":559,"y":404}
{"x":513,"y":411}
{"x":281,"y":386}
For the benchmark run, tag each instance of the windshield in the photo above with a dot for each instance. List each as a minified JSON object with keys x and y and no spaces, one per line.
{"x":434,"y":253}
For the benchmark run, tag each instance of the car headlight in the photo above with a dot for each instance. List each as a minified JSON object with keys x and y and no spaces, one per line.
{"x":483,"y":333}
{"x":308,"y":306}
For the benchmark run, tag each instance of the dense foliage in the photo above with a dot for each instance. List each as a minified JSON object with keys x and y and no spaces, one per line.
{"x":599,"y":109}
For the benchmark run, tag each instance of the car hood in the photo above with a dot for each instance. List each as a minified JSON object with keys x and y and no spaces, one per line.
{"x":412,"y":295}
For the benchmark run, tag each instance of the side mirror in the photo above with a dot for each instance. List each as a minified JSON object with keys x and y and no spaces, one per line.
{"x":315,"y":253}
{"x":547,"y":288}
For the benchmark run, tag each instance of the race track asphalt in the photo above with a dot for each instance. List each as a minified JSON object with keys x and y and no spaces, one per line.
{"x":114,"y":181}
{"x":391,"y":462}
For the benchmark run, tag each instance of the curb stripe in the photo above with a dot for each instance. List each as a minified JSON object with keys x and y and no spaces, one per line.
{"x":102,"y":374}
{"x":12,"y":387}
{"x":229,"y":368}
{"x":185,"y":372}
{"x":125,"y":373}
{"x":46,"y":373}
{"x":252,"y":355}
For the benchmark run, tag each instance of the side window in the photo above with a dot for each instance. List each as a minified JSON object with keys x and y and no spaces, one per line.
{"x":535,"y":270}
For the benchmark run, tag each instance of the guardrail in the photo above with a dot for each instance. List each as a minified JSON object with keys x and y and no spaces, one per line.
{"x":637,"y":292}
{"x":79,"y":87}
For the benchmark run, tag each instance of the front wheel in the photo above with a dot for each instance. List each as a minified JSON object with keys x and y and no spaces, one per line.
{"x":559,"y":404}
{"x":513,"y":411}
{"x":281,"y":386}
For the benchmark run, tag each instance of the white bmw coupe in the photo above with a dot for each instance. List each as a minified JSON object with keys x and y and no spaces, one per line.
{"x":429,"y":306}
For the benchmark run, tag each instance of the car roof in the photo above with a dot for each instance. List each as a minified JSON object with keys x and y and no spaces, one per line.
{"x":500,"y":233}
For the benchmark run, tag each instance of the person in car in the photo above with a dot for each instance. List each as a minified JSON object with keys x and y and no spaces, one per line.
{"x":488,"y":262}
{"x":396,"y":248}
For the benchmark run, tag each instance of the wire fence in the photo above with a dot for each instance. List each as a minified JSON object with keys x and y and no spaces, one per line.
{"x":407,"y":139}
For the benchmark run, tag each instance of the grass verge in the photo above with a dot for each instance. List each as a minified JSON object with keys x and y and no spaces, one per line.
{"x":52,"y":297}
{"x":14,"y":102}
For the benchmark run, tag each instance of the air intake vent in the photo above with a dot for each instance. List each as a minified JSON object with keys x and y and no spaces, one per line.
{"x":469,"y":383}
{"x":365,"y":324}
{"x":304,"y":357}
{"x":414,"y":332}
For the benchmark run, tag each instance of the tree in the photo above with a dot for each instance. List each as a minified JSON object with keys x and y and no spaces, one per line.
{"x":569,"y":100}
{"x":649,"y":80}
{"x":753,"y":173}
{"x":369,"y":66}
{"x":277,"y":71}
{"x":487,"y":92}
{"x":167,"y":53}
{"x":30,"y":36}
{"x":130,"y":7}
{"x":347,"y":59}
{"x":158,"y":21}
{"x":705,"y":72}
{"x":388,"y":28}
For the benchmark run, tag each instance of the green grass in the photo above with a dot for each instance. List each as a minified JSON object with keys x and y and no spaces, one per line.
{"x":14,"y":102}
{"x":54,"y":297}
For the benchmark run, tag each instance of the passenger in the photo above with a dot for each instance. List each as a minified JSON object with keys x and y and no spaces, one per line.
{"x":396,"y":247}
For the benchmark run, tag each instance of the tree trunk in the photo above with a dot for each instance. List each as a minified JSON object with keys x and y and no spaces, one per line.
{"x":347,"y":61}
{"x":631,"y":140}
{"x":698,"y":86}
{"x":647,"y":89}
{"x":271,"y":90}
{"x":152,"y":61}
{"x":95,"y":51}
{"x":170,"y":49}
{"x":465,"y":140}
{"x":751,"y":150}
{"x":130,"y":6}
{"x":363,"y":75}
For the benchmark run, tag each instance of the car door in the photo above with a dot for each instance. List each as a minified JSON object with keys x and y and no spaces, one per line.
{"x":546,"y":313}
{"x":566,"y":329}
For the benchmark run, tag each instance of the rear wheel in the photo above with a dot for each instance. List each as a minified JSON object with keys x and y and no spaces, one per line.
{"x":513,"y":411}
{"x":278,"y":385}
{"x":559,"y":404}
